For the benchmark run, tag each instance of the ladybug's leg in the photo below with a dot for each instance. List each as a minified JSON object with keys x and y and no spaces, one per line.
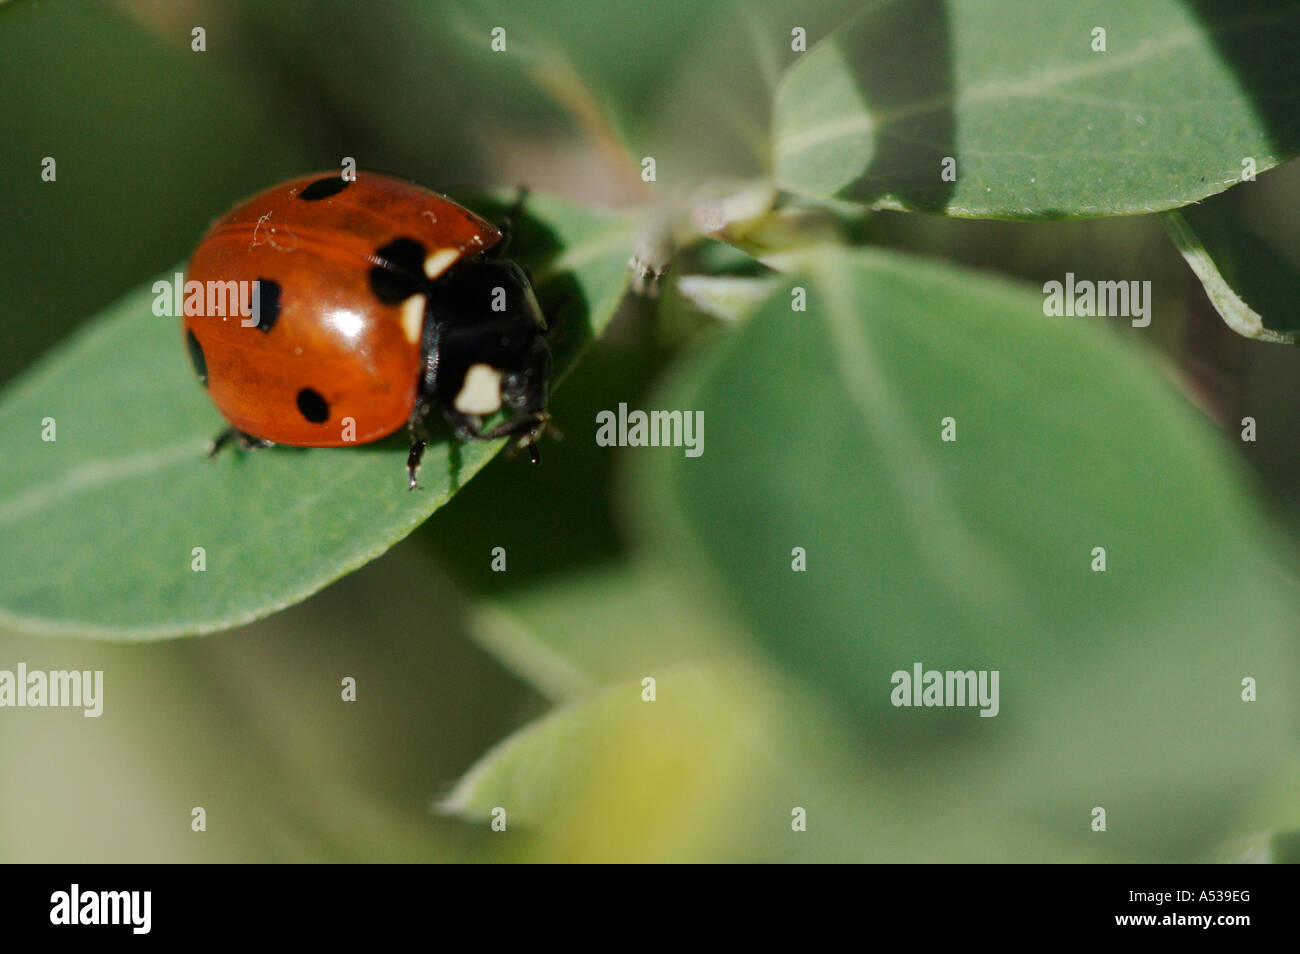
{"x":222,"y":439}
{"x":526,"y":427}
{"x":430,"y":352}
{"x":419,"y":440}
{"x":413,"y":463}
{"x":245,"y":441}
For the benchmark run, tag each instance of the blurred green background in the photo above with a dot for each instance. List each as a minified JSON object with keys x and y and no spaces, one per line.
{"x":153,"y":140}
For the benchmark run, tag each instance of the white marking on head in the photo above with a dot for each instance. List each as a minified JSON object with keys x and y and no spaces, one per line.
{"x":439,"y":261}
{"x":481,"y":392}
{"x":413,"y":318}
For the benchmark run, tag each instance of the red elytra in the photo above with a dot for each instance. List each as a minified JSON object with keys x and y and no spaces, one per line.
{"x":333,"y":361}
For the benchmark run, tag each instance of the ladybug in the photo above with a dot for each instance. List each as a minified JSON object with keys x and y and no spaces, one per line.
{"x":367,"y":303}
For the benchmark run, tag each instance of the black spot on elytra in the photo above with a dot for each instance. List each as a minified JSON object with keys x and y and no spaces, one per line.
{"x":268,"y":303}
{"x":196,"y":358}
{"x":324,"y":188}
{"x":402,"y":274}
{"x":313,"y":406}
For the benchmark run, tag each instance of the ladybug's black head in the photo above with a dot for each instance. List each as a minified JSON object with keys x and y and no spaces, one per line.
{"x":486,"y":349}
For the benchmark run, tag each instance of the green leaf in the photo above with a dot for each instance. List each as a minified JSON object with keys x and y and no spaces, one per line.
{"x":1040,"y":125}
{"x":1284,"y":848}
{"x":1231,"y":261}
{"x":725,"y":746}
{"x":661,"y":620}
{"x":582,"y":773}
{"x":707,"y":771}
{"x":1119,"y":688}
{"x":99,"y":526}
{"x":727,"y":297}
